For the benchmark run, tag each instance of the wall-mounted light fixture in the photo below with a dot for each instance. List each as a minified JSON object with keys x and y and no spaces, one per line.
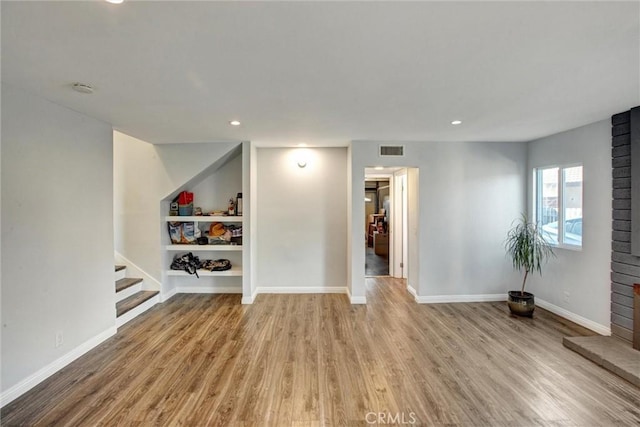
{"x":302,"y":157}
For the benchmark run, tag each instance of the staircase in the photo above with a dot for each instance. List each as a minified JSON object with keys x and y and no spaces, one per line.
{"x":131,"y":299}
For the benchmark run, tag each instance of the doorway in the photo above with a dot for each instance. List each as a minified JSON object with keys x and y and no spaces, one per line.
{"x":377,"y":201}
{"x":387,"y":203}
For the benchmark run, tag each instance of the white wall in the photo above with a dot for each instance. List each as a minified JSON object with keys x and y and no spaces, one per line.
{"x":413,"y":225}
{"x":302,"y":219}
{"x":144,"y":174}
{"x":215,"y":191}
{"x":57,"y":234}
{"x":584,"y":274}
{"x":469,"y":193}
{"x":249,"y":226}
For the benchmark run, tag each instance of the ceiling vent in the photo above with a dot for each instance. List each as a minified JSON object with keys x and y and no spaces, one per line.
{"x":392,"y":151}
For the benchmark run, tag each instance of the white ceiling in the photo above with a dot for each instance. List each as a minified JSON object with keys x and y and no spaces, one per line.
{"x":326,"y":73}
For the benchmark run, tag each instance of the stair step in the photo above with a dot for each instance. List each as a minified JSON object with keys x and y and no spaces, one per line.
{"x":125,"y":283}
{"x":120,"y":267}
{"x":133,"y":301}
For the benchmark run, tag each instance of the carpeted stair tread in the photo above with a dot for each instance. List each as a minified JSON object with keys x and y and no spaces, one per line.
{"x":125,"y":283}
{"x":133,"y":301}
{"x":120,"y":267}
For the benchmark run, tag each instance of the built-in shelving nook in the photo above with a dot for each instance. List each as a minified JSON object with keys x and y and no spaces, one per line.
{"x":212,"y":189}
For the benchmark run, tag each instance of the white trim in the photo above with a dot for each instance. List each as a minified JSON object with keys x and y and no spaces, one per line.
{"x":202,"y":218}
{"x":235,"y":270}
{"x":356,"y":300}
{"x":137,"y":311}
{"x":575,"y":318}
{"x":208,"y":290}
{"x":249,"y":299}
{"x":126,"y":293}
{"x":302,"y":290}
{"x":42,"y":374}
{"x":203,"y":248}
{"x":121,"y":274}
{"x":166,"y":296}
{"x":151,"y":283}
{"x":412,"y":291}
{"x":438,"y":299}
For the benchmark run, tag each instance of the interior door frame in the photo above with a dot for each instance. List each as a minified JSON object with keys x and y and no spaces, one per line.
{"x":398,"y":236}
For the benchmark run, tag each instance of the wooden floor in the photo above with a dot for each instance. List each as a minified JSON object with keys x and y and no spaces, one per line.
{"x":311,"y":360}
{"x":375,"y":265}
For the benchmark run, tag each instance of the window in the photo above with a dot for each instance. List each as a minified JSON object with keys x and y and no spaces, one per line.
{"x":559,"y":204}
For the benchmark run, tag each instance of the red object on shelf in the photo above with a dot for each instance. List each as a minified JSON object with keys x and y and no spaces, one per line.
{"x":185,"y":198}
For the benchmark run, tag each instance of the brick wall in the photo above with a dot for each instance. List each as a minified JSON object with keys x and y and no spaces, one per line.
{"x":625,"y":263}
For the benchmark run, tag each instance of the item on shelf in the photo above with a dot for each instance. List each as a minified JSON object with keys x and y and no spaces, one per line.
{"x":219,"y":236}
{"x":188,"y":233}
{"x":186,"y":262}
{"x":175,"y":232}
{"x":202,"y":240}
{"x":185,"y":197}
{"x":218,"y":213}
{"x":185,"y":203}
{"x":232,"y":208}
{"x":235,"y":231}
{"x":216,"y":229}
{"x":239,"y":204}
{"x":215,"y":265}
{"x":173,"y":209}
{"x":185,"y":210}
{"x":219,"y":240}
{"x":197,"y":211}
{"x":182,"y":233}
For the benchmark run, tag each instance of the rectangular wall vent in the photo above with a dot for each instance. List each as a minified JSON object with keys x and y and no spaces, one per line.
{"x":392,"y":150}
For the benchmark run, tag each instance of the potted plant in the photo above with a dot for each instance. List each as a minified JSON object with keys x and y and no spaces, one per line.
{"x":528,"y":250}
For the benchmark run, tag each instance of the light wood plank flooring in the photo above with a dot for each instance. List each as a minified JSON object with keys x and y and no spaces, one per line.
{"x":312,"y":360}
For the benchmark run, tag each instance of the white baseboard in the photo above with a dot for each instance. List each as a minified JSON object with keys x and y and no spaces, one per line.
{"x":412,"y":291}
{"x":249,"y":299}
{"x":356,"y":300}
{"x":133,"y":313}
{"x":166,"y":296}
{"x":208,"y":290}
{"x":575,"y":318}
{"x":150,"y":283}
{"x":42,"y":374}
{"x":439,"y":299}
{"x":301,"y":290}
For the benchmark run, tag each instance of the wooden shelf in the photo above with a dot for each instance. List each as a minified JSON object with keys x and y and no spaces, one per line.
{"x":203,"y":248}
{"x":203,"y":219}
{"x":235,"y":271}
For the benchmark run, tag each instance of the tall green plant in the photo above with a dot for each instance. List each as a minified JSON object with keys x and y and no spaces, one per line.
{"x":527,"y":248}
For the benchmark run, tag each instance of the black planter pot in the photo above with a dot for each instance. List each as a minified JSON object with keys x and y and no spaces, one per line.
{"x":521,"y":304}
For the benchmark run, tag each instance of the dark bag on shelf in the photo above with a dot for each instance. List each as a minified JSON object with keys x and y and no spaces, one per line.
{"x":187,"y":262}
{"x":216,"y":265}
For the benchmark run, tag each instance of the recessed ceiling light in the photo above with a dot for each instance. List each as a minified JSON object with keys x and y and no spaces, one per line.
{"x":379,"y":168}
{"x":234,"y":123}
{"x":456,"y":122}
{"x":82,"y":87}
{"x":115,"y":1}
{"x":302,"y":144}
